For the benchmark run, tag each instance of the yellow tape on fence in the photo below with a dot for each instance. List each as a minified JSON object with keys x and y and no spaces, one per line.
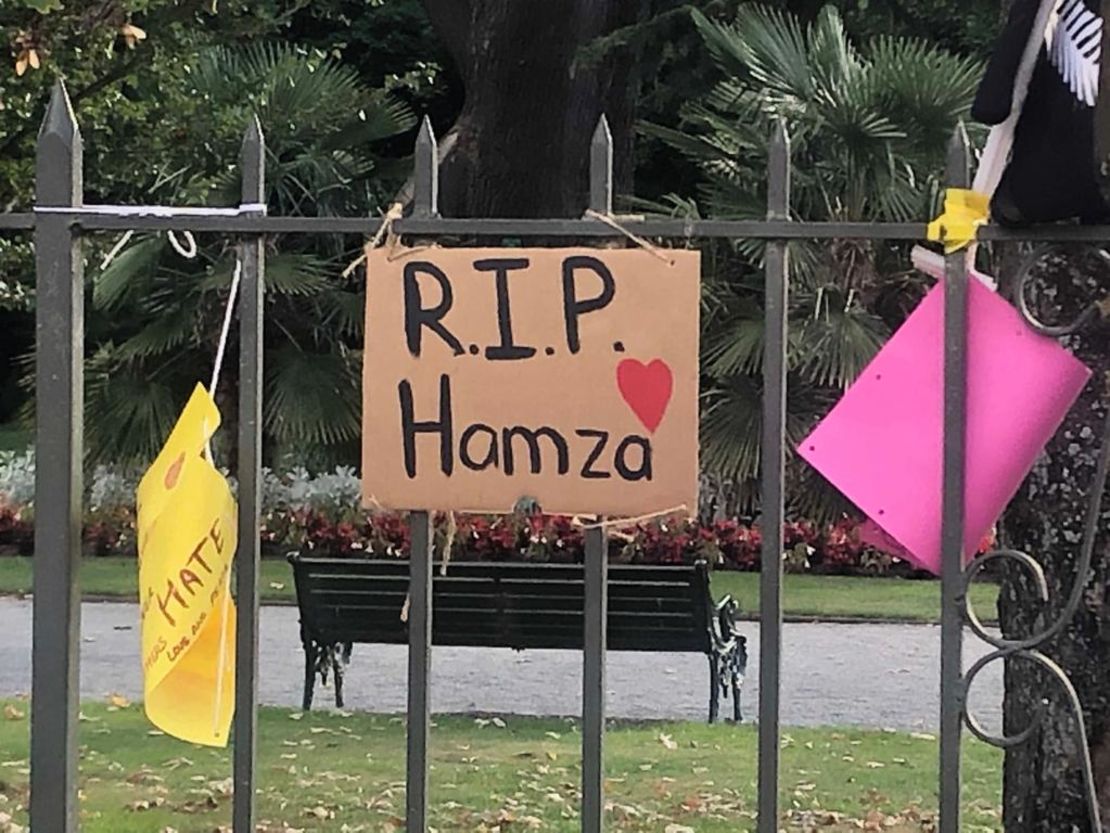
{"x":964,"y":212}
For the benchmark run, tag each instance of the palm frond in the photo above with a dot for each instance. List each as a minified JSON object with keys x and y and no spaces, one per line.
{"x":128,"y":276}
{"x":832,"y":347}
{"x":128,"y":412}
{"x":312,"y":398}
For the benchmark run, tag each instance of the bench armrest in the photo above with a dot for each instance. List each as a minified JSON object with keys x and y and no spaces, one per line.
{"x":724,"y":625}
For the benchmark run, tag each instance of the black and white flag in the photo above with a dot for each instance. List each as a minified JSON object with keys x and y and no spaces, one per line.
{"x":1049,"y":168}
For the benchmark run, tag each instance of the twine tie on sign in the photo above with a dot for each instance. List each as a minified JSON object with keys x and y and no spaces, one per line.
{"x":394,"y":214}
{"x":642,"y":242}
{"x":616,"y":525}
{"x":619,"y":523}
{"x":448,"y":545}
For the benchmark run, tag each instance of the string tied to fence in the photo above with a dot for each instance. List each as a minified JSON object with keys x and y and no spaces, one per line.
{"x":642,"y":242}
{"x":616,"y":526}
{"x":448,"y":545}
{"x":188,"y":250}
{"x":217,"y":366}
{"x":395,"y":212}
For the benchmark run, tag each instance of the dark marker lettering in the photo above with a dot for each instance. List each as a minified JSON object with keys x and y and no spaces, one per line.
{"x":217,"y":539}
{"x":573,"y":308}
{"x":644,"y":471}
{"x":188,"y":579}
{"x":410,"y":428}
{"x":418,"y":316}
{"x":491,"y":451}
{"x":507,"y":350}
{"x":602,"y":437}
{"x":532,"y":439}
{"x":164,"y":601}
{"x":200,"y":547}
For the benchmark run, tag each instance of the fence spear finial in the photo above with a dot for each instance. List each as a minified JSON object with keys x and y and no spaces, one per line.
{"x":601,"y":168}
{"x":252,"y":160}
{"x":959,"y":154}
{"x":425,"y":175}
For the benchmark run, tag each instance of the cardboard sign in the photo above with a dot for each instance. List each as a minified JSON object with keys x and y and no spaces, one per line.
{"x":187,"y":535}
{"x":569,"y":376}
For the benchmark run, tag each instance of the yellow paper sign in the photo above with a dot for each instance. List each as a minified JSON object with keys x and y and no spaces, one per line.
{"x":187,"y":537}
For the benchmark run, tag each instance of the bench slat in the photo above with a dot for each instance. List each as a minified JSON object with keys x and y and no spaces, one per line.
{"x":508,"y":605}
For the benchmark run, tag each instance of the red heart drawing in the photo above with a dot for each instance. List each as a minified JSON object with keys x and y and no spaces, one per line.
{"x":646,"y":388}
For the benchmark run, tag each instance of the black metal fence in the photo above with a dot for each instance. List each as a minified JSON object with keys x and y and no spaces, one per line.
{"x":60,"y":220}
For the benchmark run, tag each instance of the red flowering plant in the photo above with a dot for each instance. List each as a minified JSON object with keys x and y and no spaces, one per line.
{"x":668,"y":542}
{"x":17,"y":530}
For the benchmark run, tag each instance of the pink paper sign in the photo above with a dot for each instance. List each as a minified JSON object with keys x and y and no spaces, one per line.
{"x":882,"y":445}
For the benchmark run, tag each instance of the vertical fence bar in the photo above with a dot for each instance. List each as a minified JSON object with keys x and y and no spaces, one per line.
{"x":773,"y":455}
{"x":952,"y":524}
{"x":596,"y":567}
{"x":252,"y":258}
{"x":425,"y":204}
{"x":596,"y":573}
{"x":420,"y":655}
{"x":59,"y":404}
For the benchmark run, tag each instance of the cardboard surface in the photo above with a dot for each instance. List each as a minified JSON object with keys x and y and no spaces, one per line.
{"x":569,"y":376}
{"x":882,"y":444}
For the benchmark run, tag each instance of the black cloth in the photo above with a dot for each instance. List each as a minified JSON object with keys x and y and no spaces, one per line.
{"x":1052,"y":173}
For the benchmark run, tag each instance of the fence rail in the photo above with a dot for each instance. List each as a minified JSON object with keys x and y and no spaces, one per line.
{"x":59,"y":222}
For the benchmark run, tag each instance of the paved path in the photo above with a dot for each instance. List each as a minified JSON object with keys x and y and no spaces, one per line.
{"x":868,"y":675}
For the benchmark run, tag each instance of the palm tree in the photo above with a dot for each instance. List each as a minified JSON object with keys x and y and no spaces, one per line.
{"x":868,"y":127}
{"x":321,"y":125}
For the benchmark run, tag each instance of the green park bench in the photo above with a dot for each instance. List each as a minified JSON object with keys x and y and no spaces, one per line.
{"x":513,"y":605}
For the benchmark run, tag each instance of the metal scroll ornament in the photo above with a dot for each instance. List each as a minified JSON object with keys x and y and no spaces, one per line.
{"x":1029,"y":648}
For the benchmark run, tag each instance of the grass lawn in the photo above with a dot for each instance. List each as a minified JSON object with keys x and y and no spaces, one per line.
{"x":803,"y":595}
{"x":849,"y":596}
{"x":333,"y":772}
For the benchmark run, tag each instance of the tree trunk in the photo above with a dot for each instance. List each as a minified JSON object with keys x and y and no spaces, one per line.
{"x":532,"y":102}
{"x":1044,"y":790}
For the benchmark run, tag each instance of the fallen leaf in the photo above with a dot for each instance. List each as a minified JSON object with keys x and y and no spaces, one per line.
{"x":498,"y":722}
{"x":12,"y":713}
{"x":678,"y":828}
{"x":118,"y":700}
{"x":668,"y":742}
